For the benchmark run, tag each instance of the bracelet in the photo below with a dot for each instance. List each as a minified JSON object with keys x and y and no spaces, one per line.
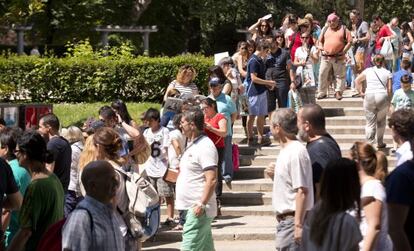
{"x":299,"y":225}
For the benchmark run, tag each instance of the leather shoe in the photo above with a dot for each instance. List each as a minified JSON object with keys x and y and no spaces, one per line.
{"x":338,"y":95}
{"x":321,"y":96}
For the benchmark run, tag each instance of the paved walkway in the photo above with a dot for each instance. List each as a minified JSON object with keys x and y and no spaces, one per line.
{"x":219,"y":245}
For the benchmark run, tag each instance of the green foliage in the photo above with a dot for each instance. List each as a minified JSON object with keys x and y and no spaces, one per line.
{"x":87,"y":76}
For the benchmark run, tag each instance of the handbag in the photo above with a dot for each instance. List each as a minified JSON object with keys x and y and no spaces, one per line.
{"x":171,"y":176}
{"x":294,"y":100}
{"x":386,"y":50}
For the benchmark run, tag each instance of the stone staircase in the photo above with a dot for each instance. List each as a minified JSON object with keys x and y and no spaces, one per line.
{"x":246,"y":208}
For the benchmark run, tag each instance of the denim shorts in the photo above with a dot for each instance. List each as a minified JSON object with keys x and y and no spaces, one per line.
{"x":258,"y":104}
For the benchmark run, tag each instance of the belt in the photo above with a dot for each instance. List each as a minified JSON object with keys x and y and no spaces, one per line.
{"x":284,"y":216}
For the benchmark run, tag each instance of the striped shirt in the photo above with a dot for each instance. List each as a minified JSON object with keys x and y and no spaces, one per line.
{"x":191,"y":88}
{"x":103,"y":234}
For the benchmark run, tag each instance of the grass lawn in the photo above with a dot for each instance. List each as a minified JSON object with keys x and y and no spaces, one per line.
{"x":76,"y":114}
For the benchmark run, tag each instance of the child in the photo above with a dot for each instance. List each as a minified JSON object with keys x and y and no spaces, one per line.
{"x":403,"y":98}
{"x":156,"y":165}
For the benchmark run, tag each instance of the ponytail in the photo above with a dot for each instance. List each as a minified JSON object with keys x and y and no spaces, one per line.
{"x":381,"y":170}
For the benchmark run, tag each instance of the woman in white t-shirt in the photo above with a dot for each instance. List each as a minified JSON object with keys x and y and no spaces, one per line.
{"x":305,"y":57}
{"x":376,"y":96}
{"x":372,"y":168}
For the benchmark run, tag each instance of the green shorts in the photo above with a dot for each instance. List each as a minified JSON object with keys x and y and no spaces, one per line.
{"x":197,"y":234}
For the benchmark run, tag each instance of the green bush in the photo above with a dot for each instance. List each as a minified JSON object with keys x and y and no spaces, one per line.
{"x":91,"y":77}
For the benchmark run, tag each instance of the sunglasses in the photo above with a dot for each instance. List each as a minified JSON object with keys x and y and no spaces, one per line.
{"x":304,"y":37}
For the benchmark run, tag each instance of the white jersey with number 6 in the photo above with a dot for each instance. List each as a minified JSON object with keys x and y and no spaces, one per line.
{"x":157,"y":163}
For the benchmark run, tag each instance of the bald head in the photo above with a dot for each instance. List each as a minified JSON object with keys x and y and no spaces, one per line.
{"x":100,"y":180}
{"x":314,"y":114}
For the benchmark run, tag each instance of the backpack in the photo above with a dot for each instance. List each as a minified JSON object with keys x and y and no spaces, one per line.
{"x":52,"y":238}
{"x":143,"y":214}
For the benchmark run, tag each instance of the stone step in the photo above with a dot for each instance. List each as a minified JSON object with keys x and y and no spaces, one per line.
{"x":274,"y":149}
{"x":345,"y":102}
{"x":250,"y":185}
{"x":340,"y":138}
{"x":332,"y":129}
{"x":227,"y":245}
{"x":236,"y":210}
{"x":246,"y":198}
{"x":231,"y":228}
{"x":330,"y":121}
{"x":336,"y":112}
{"x":249,"y":172}
{"x":264,"y":160}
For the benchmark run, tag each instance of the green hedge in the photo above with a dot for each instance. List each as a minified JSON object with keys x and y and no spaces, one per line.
{"x":91,"y":79}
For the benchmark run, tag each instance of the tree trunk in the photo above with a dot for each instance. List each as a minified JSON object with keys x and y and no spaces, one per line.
{"x":359,"y":5}
{"x":139,"y":7}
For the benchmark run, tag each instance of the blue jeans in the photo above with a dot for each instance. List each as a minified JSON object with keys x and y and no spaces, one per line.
{"x":285,"y":235}
{"x":227,"y":166}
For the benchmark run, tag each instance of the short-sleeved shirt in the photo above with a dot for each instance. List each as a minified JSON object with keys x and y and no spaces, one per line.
{"x":214,"y":122}
{"x":172,"y":155}
{"x":384,"y":31}
{"x":399,"y":187}
{"x":334,"y":41}
{"x":7,"y":182}
{"x":374,"y":189}
{"x":226,"y":106}
{"x":62,"y":156}
{"x":377,"y":79}
{"x":201,"y":155}
{"x":342,"y":233}
{"x":22,"y":178}
{"x":396,"y":79}
{"x":293,"y":170}
{"x":77,"y":148}
{"x":190,"y":89}
{"x":296,"y":43}
{"x":361,"y":32}
{"x":278,"y":61}
{"x":307,"y":71}
{"x":156,"y":164}
{"x":321,"y":152}
{"x":96,"y":230}
{"x":402,"y":99}
{"x":42,"y":206}
{"x":255,"y":65}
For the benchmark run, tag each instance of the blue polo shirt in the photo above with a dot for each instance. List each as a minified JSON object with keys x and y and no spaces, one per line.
{"x":258,"y":66}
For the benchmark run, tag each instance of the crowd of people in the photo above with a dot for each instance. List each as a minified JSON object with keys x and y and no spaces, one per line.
{"x":322,"y":200}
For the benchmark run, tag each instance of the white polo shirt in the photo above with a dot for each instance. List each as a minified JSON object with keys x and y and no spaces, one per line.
{"x":293,"y":170}
{"x":197,"y":158}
